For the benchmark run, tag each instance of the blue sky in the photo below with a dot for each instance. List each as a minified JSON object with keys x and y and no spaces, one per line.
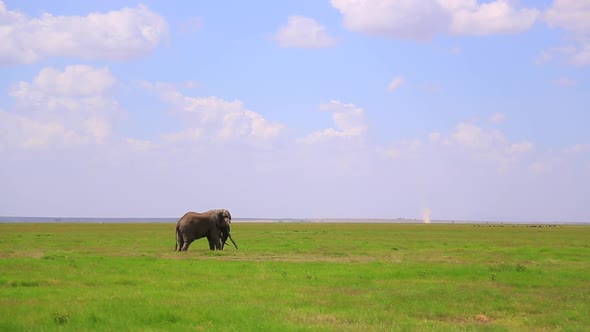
{"x":451,"y":109}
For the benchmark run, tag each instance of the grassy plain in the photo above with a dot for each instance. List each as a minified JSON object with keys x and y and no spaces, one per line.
{"x":295,"y":277}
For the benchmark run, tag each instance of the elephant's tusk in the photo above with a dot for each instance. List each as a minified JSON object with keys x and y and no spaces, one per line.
{"x":232,"y":240}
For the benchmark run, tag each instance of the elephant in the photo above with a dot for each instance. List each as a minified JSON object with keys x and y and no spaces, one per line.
{"x":210,"y":224}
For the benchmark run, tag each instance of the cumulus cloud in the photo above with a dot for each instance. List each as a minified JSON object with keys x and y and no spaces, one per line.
{"x":28,"y":133}
{"x":215,"y":119}
{"x":573,"y":54}
{"x":496,"y":17}
{"x":422,"y":20}
{"x":521,"y":147}
{"x":115,"y":35}
{"x":402,"y":149}
{"x":62,"y":108}
{"x":573,"y":16}
{"x":581,"y":56}
{"x":349,"y":122}
{"x":139,"y":144}
{"x":540,"y":167}
{"x":246,"y":123}
{"x":468,"y":134}
{"x":577,"y":148}
{"x":497,"y":117}
{"x":397,"y":82}
{"x":96,"y":81}
{"x":405,"y":19}
{"x":471,"y":135}
{"x":434,"y":137}
{"x":467,"y":142}
{"x":456,"y":50}
{"x":470,"y":171}
{"x":303,"y":32}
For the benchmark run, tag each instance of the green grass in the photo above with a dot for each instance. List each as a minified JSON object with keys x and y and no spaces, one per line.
{"x":295,"y":277}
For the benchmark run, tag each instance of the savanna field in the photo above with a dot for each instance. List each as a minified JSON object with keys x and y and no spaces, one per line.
{"x":296,"y":277}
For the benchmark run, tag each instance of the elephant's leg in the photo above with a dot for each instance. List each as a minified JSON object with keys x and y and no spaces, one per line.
{"x":217,"y":240}
{"x":212,"y":245}
{"x":180,"y":243}
{"x":187,"y":242}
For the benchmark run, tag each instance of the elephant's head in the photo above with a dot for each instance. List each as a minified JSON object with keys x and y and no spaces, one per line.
{"x":222,"y":218}
{"x":223,"y":221}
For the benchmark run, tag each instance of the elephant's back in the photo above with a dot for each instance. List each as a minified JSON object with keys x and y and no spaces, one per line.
{"x":193,"y":216}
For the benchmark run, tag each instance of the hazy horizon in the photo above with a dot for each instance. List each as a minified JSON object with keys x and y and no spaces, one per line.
{"x":29,"y":219}
{"x":434,"y":109}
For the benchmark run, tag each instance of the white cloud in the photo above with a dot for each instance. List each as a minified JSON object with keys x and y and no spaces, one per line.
{"x":349,"y":122}
{"x":74,"y":81}
{"x":468,"y":134}
{"x":451,"y":171}
{"x":115,"y":35}
{"x":521,"y":147}
{"x":434,"y":137}
{"x":405,"y":19}
{"x":395,"y":83}
{"x":389,"y":153}
{"x":98,"y":129}
{"x":190,"y":84}
{"x":303,"y":32}
{"x":77,"y":89}
{"x":189,"y":135}
{"x":208,"y":108}
{"x":539,"y":167}
{"x":571,"y":15}
{"x":139,"y":145}
{"x":496,"y":17}
{"x":473,"y":136}
{"x":577,"y":148}
{"x":213,"y":118}
{"x":422,"y":20}
{"x":581,"y":57}
{"x":468,"y":148}
{"x":63,"y":108}
{"x":456,"y":50}
{"x":574,"y":17}
{"x":28,"y":133}
{"x":246,"y":123}
{"x":497,"y":117}
{"x":573,"y":54}
{"x":401,"y":149}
